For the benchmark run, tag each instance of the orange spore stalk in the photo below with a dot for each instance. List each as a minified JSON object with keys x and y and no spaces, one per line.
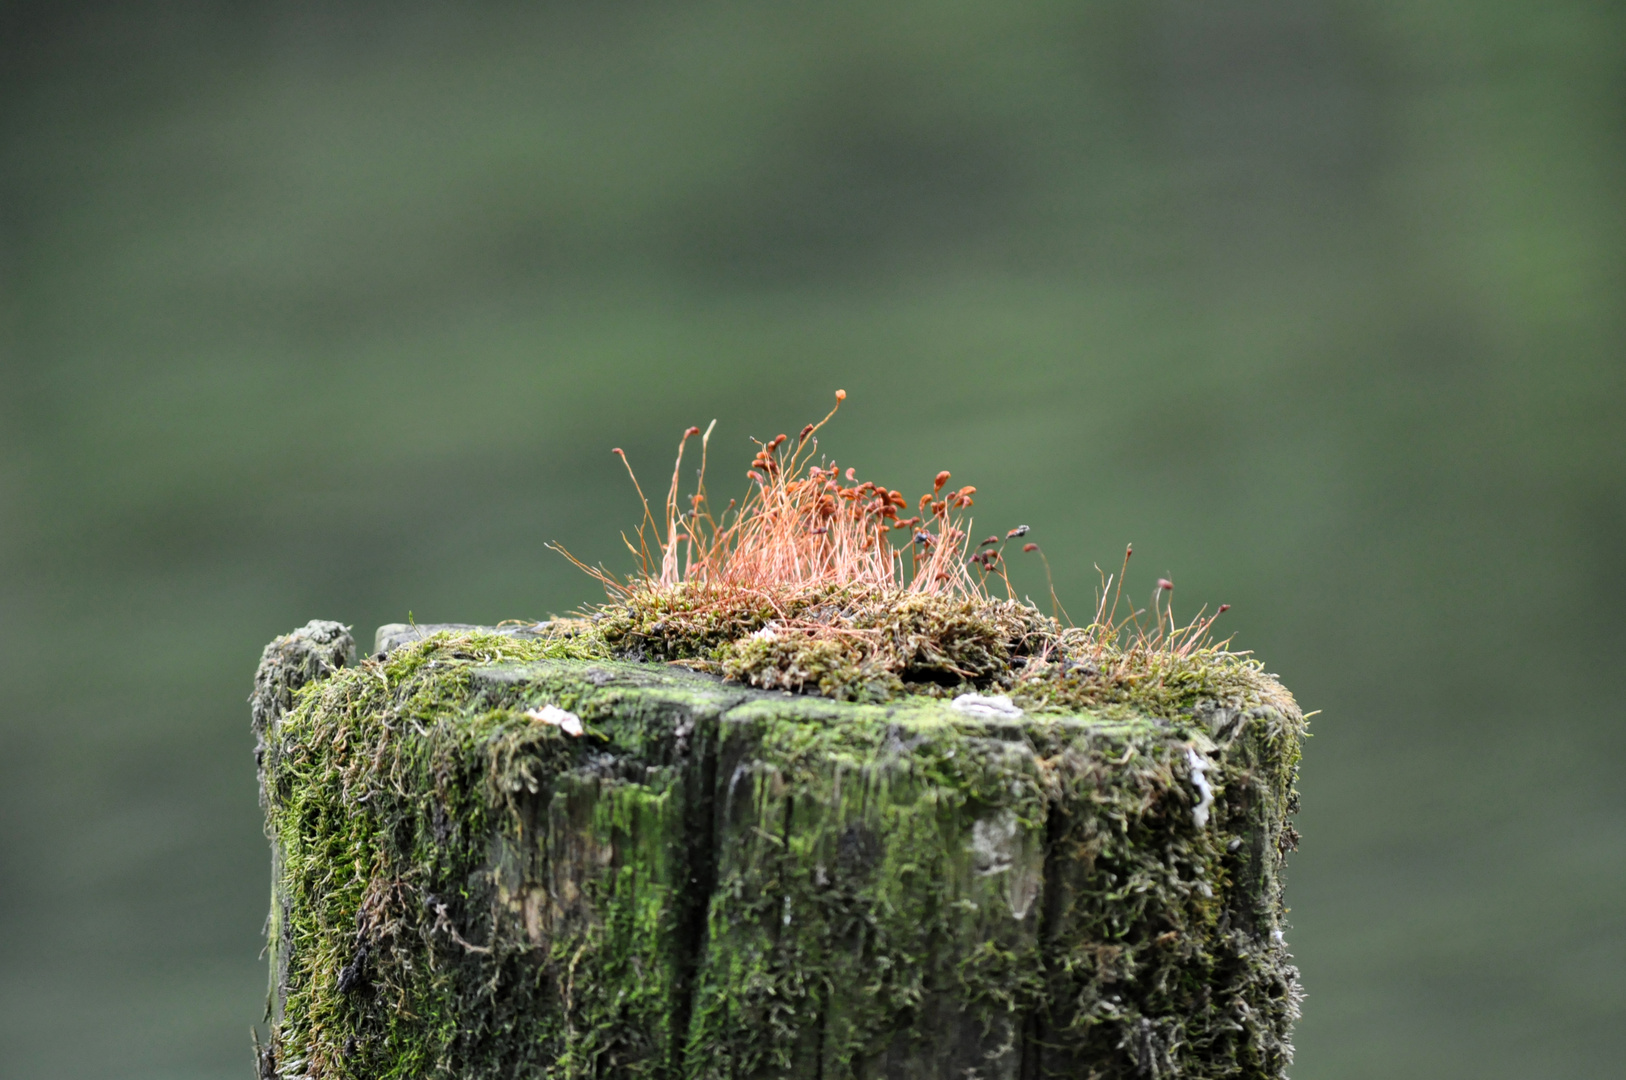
{"x":801,"y":527}
{"x":814,"y":582}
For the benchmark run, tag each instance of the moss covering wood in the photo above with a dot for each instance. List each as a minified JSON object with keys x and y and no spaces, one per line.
{"x":719,"y":881}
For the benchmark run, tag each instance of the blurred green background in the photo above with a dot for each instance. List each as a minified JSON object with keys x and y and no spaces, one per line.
{"x":311,"y":311}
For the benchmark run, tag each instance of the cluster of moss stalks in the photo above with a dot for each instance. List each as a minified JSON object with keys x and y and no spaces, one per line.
{"x":718,"y":882}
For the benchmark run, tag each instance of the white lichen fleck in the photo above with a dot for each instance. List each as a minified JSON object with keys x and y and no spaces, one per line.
{"x":989,"y":706}
{"x":568,"y":722}
{"x":1199,"y":813}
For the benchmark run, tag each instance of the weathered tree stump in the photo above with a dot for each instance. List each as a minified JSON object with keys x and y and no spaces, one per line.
{"x":713,"y":881}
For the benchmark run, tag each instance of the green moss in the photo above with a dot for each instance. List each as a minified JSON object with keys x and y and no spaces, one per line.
{"x":719,"y":881}
{"x":854,"y":644}
{"x":908,"y":897}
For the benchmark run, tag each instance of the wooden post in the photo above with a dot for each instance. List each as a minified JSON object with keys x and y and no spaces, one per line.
{"x":703,"y":880}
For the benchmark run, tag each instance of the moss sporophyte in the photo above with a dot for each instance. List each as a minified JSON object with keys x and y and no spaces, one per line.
{"x":813,"y":793}
{"x":814,"y":583}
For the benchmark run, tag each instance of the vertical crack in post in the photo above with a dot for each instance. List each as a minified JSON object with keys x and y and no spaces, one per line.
{"x":700,"y":867}
{"x":823,"y":1024}
{"x":1036,"y":1026}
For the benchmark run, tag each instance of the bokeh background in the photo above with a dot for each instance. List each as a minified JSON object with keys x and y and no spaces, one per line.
{"x":336,"y":311}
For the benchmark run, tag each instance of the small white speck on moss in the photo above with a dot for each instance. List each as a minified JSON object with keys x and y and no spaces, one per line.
{"x":990,"y":706}
{"x":568,"y":722}
{"x":1199,"y":813}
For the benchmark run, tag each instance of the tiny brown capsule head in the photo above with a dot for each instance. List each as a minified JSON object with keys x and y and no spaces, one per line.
{"x":942,"y":478}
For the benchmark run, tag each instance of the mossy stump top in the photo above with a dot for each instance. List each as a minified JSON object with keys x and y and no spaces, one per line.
{"x":700,"y":879}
